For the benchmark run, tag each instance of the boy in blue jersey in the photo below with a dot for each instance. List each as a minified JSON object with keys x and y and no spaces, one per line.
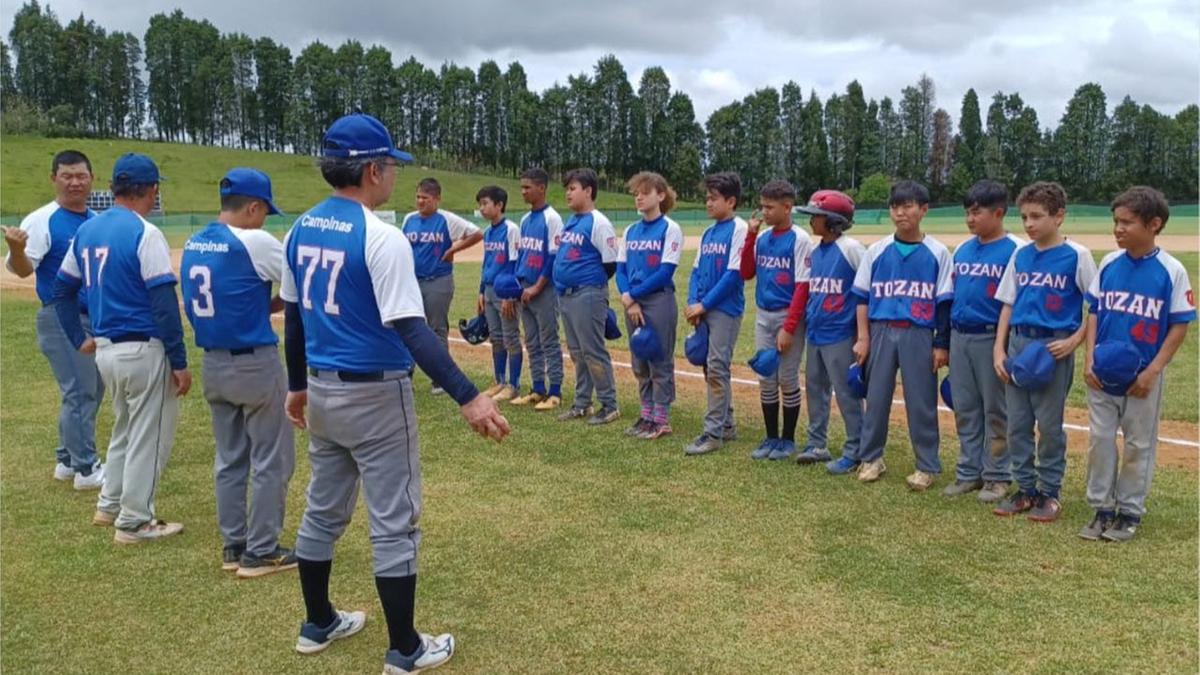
{"x":500,"y":257}
{"x":905,"y":290}
{"x":979,"y":415}
{"x":227,"y":271}
{"x":780,"y":257}
{"x":540,"y":230}
{"x":587,"y":257}
{"x":715,"y":298}
{"x":1140,"y":297}
{"x":38,"y":247}
{"x":1042,"y":290}
{"x":125,"y":264}
{"x":830,"y":326}
{"x":436,"y":235}
{"x":646,"y":265}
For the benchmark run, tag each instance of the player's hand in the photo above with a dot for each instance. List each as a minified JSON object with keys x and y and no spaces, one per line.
{"x":694,"y":312}
{"x":182,"y":379}
{"x":756,"y":221}
{"x":998,"y":366}
{"x":1141,"y":386}
{"x":529,"y":294}
{"x":941,"y":358}
{"x":479,"y":304}
{"x":862,"y":349}
{"x":1090,"y":377}
{"x":293,"y":407}
{"x":627,"y":299}
{"x":634,"y":312}
{"x":484,"y":416}
{"x":88,"y":346}
{"x":784,"y":340}
{"x":508,"y":309}
{"x":1061,"y":349}
{"x":16,"y":238}
{"x":448,"y":256}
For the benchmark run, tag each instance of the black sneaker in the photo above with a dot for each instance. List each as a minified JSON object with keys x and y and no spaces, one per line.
{"x":1123,"y":529}
{"x":1101,"y":522}
{"x":604,"y":416}
{"x":231,"y":556}
{"x":1018,"y":502}
{"x":276,"y":561}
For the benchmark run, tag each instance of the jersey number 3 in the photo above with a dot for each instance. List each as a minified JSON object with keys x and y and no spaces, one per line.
{"x":312,"y":257}
{"x":203,"y":292}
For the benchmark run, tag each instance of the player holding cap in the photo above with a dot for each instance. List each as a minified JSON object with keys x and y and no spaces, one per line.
{"x":227,"y":272}
{"x":354,"y":326}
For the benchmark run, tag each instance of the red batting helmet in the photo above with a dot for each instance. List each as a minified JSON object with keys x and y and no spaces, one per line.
{"x":836,"y":206}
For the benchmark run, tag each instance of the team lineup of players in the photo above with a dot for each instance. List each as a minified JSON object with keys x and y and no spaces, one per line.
{"x":366,"y":302}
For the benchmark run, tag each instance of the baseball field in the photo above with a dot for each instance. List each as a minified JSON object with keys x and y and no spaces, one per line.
{"x":574,"y":549}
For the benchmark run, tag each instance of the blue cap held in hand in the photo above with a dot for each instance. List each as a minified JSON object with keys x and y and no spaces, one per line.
{"x":644,"y":343}
{"x":507,"y":287}
{"x":765,"y":362}
{"x":695,"y":347}
{"x":856,"y":379}
{"x":1033,"y":368}
{"x":1117,"y":365}
{"x":947,"y":396}
{"x":611,"y":330}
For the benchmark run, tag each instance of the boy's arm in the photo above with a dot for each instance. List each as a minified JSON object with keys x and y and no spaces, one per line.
{"x":749,"y":266}
{"x":862,"y":346}
{"x":1061,"y":349}
{"x":1089,"y":353}
{"x":1000,"y":348}
{"x":1175,"y":336}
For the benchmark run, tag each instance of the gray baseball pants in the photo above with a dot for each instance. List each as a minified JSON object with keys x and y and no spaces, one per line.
{"x":979,"y":409}
{"x":1122,"y":483}
{"x":540,"y":320}
{"x":436,"y":294}
{"x":825,"y":372}
{"x":656,"y":379}
{"x":910,"y":352}
{"x":584,"y":311}
{"x":722,"y":336}
{"x":81,"y":387}
{"x":1044,"y":408}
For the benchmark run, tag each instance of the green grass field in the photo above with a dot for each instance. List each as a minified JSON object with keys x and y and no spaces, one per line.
{"x":570,"y":549}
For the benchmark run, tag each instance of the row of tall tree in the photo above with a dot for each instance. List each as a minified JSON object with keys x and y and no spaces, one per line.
{"x":202,"y":86}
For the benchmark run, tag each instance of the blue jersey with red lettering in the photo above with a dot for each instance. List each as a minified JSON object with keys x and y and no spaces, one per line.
{"x":587,"y":242}
{"x":904,"y":282}
{"x":499,"y":250}
{"x":431,"y":236}
{"x":978,"y":268}
{"x":781,"y":260}
{"x":647,"y":245}
{"x":1138,"y":299}
{"x":830,"y":313}
{"x":1045,"y":288}
{"x":720,"y":252}
{"x":540,"y":230}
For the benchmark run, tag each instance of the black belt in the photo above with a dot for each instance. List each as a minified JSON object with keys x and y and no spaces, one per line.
{"x":348,"y":376}
{"x":235,"y":352}
{"x":1039,"y":332}
{"x":129,"y":337}
{"x":974,"y":328}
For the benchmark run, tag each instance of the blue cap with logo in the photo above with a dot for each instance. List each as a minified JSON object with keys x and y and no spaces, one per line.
{"x":507,"y":287}
{"x":1117,"y":365}
{"x":1033,"y":368}
{"x":947,"y":396}
{"x":134,"y":169}
{"x":695,"y":346}
{"x":611,"y":330}
{"x":765,"y":362}
{"x":856,"y":379}
{"x":360,"y":136}
{"x":644,"y":343}
{"x":249,"y":183}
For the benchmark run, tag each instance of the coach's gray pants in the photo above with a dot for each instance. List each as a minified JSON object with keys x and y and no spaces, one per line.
{"x":505,"y":332}
{"x":583,"y":313}
{"x":1122,"y":484}
{"x":436,"y":294}
{"x":722,"y":336}
{"x":656,"y":379}
{"x":909,"y":351}
{"x":1045,"y":409}
{"x":540,"y":320}
{"x":979,"y":409}
{"x":825,"y":369}
{"x":363,"y":431}
{"x":81,"y":388}
{"x":786,"y":380}
{"x":253,"y":441}
{"x":145,"y":411}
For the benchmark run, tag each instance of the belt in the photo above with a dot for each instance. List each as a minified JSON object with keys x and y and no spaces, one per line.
{"x":899,"y":324}
{"x":974,"y":328}
{"x":571,"y":290}
{"x":129,"y":337}
{"x":1039,"y":332}
{"x":350,"y":376}
{"x":234,"y":352}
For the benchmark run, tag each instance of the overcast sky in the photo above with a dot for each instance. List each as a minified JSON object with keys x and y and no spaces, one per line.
{"x":718,"y":51}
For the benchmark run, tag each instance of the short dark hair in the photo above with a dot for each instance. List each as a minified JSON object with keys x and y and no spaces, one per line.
{"x":905,"y":191}
{"x":67,"y":158}
{"x":727,"y":184}
{"x":344,"y":172}
{"x":586,"y":178}
{"x":130,"y":190}
{"x":430,"y":186}
{"x":536,"y":174}
{"x":987,"y":194}
{"x":779,"y":190}
{"x":497,"y":194}
{"x":1145,"y":202}
{"x":1049,"y":194}
{"x":235,"y":203}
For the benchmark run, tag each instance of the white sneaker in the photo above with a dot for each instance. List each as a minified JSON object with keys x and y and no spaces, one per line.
{"x":314,"y":638}
{"x":92,"y":481}
{"x":433,"y":652}
{"x":63,"y":472}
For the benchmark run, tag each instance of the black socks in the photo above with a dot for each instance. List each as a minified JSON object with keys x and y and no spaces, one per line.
{"x":398,"y":596}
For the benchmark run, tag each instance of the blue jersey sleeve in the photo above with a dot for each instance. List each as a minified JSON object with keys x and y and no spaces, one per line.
{"x":655,"y":282}
{"x":165,"y":306}
{"x":726,"y":285}
{"x":622,"y":278}
{"x":65,"y":297}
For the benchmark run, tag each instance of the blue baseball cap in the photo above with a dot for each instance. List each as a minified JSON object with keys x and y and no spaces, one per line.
{"x":765,"y":362}
{"x":474,"y":331}
{"x":947,"y":396}
{"x":611,"y":330}
{"x":644,"y":343}
{"x":1033,"y":368}
{"x":1116,"y":364}
{"x":507,"y":287}
{"x":856,"y":379}
{"x":249,"y":183}
{"x":135,"y":169}
{"x":695,"y":346}
{"x":360,"y":136}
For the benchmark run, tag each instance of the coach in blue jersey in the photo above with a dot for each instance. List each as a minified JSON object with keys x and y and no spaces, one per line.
{"x":38,"y":247}
{"x":226,"y":274}
{"x":354,"y":325}
{"x":125,"y":265}
{"x":587,"y":257}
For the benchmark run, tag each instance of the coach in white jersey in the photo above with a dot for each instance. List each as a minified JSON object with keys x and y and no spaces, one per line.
{"x":38,"y":248}
{"x":354,"y":327}
{"x":227,"y":272}
{"x":125,"y":264}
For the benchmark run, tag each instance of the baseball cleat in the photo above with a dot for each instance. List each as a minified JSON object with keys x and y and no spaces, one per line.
{"x":764,"y":449}
{"x":1018,"y":502}
{"x":549,"y":403}
{"x":278,"y":560}
{"x":962,"y":487}
{"x":783,"y":450}
{"x":528,"y":399}
{"x":639,"y":427}
{"x":92,"y":481}
{"x":604,"y":416}
{"x":703,"y":445}
{"x":993,"y":491}
{"x":493,"y":390}
{"x":813,"y":456}
{"x":103,"y":518}
{"x":729,"y":433}
{"x":869,"y":472}
{"x":656,"y":431}
{"x":1100,"y":523}
{"x":63,"y":472}
{"x":314,"y":639}
{"x":1045,"y":509}
{"x":573,"y":413}
{"x":841,"y":465}
{"x":920,"y":481}
{"x":432,"y":652}
{"x":1123,"y":529}
{"x":151,"y":531}
{"x":230,"y":556}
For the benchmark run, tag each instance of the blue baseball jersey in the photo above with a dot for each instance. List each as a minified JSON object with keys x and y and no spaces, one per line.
{"x":540,"y":232}
{"x":499,"y":250}
{"x":118,"y":257}
{"x":978,"y":268}
{"x":226,"y":276}
{"x":1138,"y":299}
{"x":1046,"y":288}
{"x":50,"y":230}
{"x":587,"y":242}
{"x":782,"y":259}
{"x":905,"y":286}
{"x":830,"y":313}
{"x":720,"y":251}
{"x":431,"y":236}
{"x":351,"y":274}
{"x":645,"y":246}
